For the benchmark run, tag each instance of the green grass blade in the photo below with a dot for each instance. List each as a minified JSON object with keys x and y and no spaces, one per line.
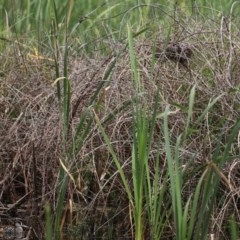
{"x":175,"y":180}
{"x":207,"y":109}
{"x":135,"y":74}
{"x":190,"y":110}
{"x":184,"y":224}
{"x":48,"y":224}
{"x":193,"y":216}
{"x":233,"y":226}
{"x":114,"y":156}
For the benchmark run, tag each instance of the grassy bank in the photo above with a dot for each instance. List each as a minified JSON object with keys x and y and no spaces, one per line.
{"x":107,"y":133}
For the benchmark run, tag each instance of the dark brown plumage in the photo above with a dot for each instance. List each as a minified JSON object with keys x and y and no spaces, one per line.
{"x":177,"y":52}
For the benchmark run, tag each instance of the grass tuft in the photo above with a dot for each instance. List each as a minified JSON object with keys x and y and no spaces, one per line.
{"x":111,"y":129}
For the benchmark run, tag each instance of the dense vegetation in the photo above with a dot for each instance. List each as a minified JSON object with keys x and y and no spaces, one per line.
{"x":120,"y":119}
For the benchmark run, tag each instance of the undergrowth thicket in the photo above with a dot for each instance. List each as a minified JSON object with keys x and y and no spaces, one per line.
{"x":104,"y":136}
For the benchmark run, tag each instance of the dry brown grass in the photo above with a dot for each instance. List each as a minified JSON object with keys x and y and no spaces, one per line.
{"x":30,"y":136}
